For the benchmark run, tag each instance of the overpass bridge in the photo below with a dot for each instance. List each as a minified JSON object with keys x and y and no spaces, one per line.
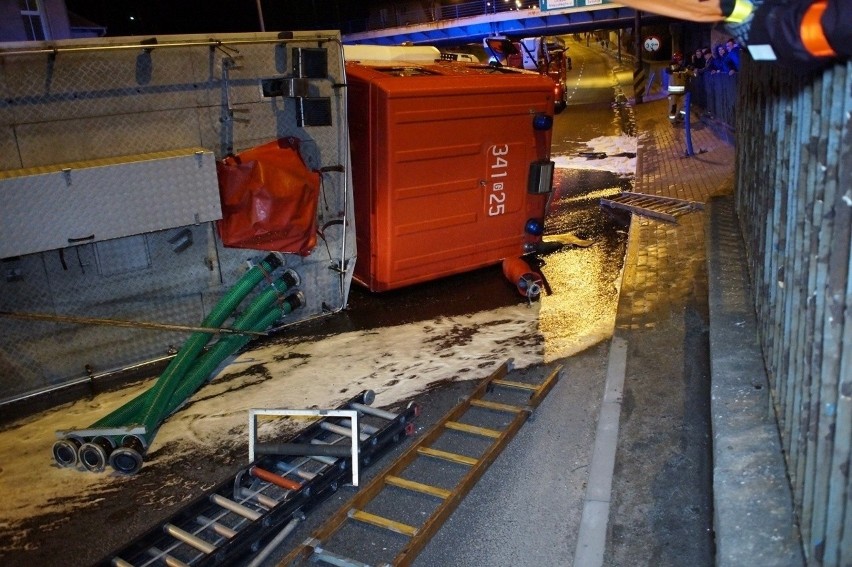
{"x":471,"y":27}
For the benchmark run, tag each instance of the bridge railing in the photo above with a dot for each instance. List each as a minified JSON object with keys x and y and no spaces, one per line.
{"x":400,"y":16}
{"x":482,"y":7}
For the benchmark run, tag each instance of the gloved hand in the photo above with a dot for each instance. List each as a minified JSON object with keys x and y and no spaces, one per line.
{"x":772,"y":29}
{"x":739,"y":17}
{"x":802,"y":34}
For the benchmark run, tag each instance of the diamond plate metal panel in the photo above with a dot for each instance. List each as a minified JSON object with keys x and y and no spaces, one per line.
{"x":99,"y":200}
{"x":45,"y":143}
{"x":46,"y":88}
{"x":100,"y":99}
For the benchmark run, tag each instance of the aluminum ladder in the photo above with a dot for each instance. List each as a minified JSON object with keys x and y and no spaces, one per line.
{"x":663,"y":208}
{"x":392,"y":518}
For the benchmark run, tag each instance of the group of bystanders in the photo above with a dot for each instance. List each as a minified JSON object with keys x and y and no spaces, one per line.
{"x":723,"y":58}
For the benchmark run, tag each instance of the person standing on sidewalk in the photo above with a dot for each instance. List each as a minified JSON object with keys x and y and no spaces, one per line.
{"x":677,"y":76}
{"x":719,"y":62}
{"x":732,"y":56}
{"x":697,"y":61}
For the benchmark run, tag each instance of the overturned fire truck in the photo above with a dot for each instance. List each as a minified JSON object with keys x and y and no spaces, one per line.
{"x":150,"y":184}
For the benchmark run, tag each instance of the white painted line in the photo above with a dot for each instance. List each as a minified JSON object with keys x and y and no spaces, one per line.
{"x":591,"y":540}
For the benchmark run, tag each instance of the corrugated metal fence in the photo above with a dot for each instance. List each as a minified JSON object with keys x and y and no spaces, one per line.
{"x":794,"y":200}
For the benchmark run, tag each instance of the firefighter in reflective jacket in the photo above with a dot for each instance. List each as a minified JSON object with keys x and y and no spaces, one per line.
{"x":677,"y":75}
{"x":802,"y":34}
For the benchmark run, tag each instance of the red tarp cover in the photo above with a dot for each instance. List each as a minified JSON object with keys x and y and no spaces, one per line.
{"x":269,"y":199}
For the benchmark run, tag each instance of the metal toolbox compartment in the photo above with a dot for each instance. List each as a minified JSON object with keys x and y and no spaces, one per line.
{"x":50,"y":207}
{"x":443,"y":157}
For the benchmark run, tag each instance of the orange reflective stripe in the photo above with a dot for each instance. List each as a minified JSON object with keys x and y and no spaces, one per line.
{"x":811,"y":32}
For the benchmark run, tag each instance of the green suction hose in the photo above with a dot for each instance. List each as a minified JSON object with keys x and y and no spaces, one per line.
{"x":127,"y":459}
{"x":180,"y":364}
{"x":224,"y":348}
{"x":246,"y":322}
{"x":151,"y":407}
{"x":133,"y":412}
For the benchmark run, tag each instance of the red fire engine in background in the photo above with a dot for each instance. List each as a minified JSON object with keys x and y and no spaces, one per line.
{"x":548,"y":55}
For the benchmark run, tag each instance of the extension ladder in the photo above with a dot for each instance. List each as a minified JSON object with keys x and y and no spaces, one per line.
{"x":232,"y":520}
{"x":391,"y":519}
{"x":663,"y":208}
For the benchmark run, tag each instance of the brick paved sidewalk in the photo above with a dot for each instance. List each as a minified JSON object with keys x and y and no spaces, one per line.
{"x":661,"y":501}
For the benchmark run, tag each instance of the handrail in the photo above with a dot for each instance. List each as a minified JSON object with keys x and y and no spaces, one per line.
{"x":147,"y":45}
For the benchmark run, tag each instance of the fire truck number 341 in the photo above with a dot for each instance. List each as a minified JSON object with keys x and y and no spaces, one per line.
{"x":498,"y":170}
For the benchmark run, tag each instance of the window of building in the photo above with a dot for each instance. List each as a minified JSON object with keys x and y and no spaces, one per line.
{"x":33,"y":20}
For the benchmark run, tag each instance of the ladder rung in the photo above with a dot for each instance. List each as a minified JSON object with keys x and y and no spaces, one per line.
{"x":375,"y":412}
{"x":447,"y":456}
{"x":166,"y":558}
{"x":288,"y":468}
{"x":321,"y":459}
{"x":516,"y":385}
{"x":321,"y":555}
{"x":232,"y":506}
{"x":473,"y":429}
{"x":382,"y":522}
{"x":678,"y":208}
{"x":219,"y":529}
{"x":497,"y":406}
{"x":640,"y":201}
{"x":364,"y":427}
{"x":189,"y":539}
{"x":262,"y":499}
{"x":418,"y":486}
{"x":344,"y":431}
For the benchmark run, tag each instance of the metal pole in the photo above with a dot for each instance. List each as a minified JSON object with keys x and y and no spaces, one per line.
{"x":638,"y":74}
{"x":260,"y":16}
{"x":619,"y":45}
{"x":687,"y":128}
{"x":122,"y":323}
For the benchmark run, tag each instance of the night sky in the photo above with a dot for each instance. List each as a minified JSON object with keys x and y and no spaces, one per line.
{"x":157,"y":17}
